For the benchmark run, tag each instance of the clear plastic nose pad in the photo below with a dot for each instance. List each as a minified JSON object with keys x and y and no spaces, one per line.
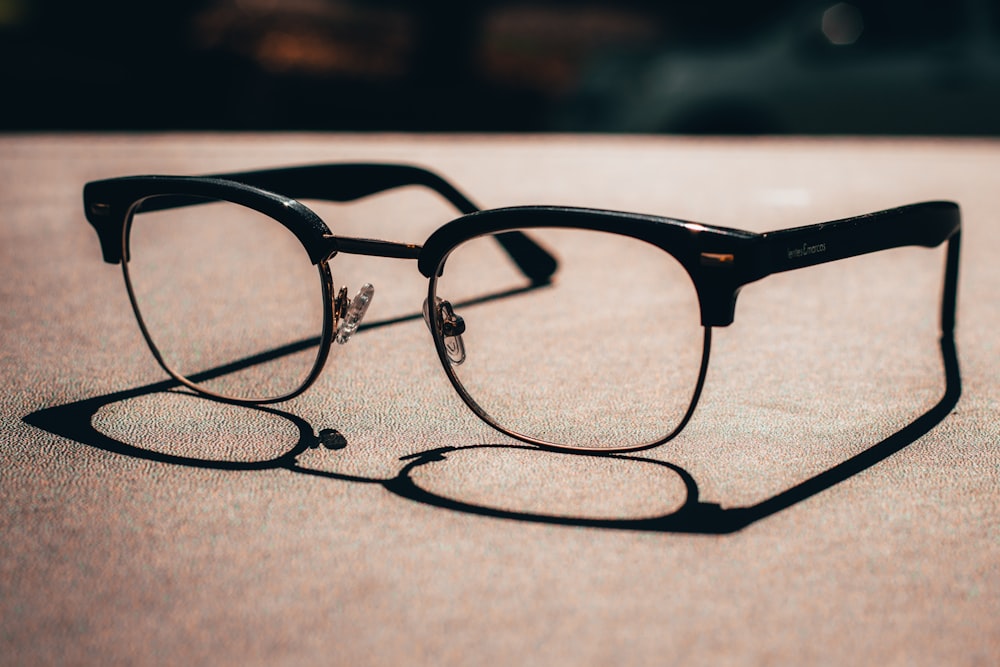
{"x":348,"y":315}
{"x":452,"y":328}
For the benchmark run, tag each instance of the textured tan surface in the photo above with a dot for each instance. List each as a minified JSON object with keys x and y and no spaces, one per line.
{"x":163,"y":528}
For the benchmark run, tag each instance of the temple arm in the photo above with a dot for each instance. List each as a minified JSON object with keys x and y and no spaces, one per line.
{"x":345,"y":182}
{"x":927,"y":224}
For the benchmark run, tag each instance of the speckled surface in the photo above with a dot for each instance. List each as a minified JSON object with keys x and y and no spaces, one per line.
{"x":141,"y":525}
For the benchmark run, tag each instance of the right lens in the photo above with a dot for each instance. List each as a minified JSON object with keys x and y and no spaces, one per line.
{"x":608,"y":356}
{"x":227,"y":296}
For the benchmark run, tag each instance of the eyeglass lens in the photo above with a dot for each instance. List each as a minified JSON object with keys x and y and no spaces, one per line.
{"x":606,"y":355}
{"x":227,"y":296}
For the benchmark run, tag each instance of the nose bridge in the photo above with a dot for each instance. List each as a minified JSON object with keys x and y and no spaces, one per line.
{"x":348,"y":313}
{"x":371,"y":247}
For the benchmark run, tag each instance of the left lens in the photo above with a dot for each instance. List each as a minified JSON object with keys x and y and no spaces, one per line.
{"x":227,"y":296}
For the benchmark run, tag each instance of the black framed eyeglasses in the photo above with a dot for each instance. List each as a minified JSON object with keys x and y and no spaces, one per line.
{"x":525,"y":305}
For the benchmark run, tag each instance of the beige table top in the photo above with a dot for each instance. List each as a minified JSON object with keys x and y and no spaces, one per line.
{"x":144,"y":525}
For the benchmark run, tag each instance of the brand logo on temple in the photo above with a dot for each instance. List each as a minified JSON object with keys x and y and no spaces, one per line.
{"x":806,"y":250}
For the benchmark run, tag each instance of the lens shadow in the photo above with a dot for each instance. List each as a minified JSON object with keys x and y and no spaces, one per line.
{"x":120,"y":432}
{"x":666,"y":503}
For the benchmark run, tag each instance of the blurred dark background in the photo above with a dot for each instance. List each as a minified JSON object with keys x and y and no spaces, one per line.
{"x":764,"y":66}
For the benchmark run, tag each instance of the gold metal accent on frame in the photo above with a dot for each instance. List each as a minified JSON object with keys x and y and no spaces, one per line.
{"x":717,"y":258}
{"x":98,"y":208}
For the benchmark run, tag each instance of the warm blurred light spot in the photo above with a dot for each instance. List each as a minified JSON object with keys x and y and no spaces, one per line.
{"x":314,"y":53}
{"x":309,"y":37}
{"x":544,"y":48}
{"x":12,"y":12}
{"x":843,"y":24}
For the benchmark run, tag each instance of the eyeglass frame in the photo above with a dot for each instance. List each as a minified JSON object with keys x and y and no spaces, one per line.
{"x":719,"y":260}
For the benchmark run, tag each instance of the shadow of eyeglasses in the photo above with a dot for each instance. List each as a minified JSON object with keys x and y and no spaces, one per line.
{"x":694,"y":516}
{"x":74,"y":421}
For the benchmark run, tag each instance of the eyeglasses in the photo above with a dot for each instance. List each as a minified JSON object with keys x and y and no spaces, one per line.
{"x":526,"y":306}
